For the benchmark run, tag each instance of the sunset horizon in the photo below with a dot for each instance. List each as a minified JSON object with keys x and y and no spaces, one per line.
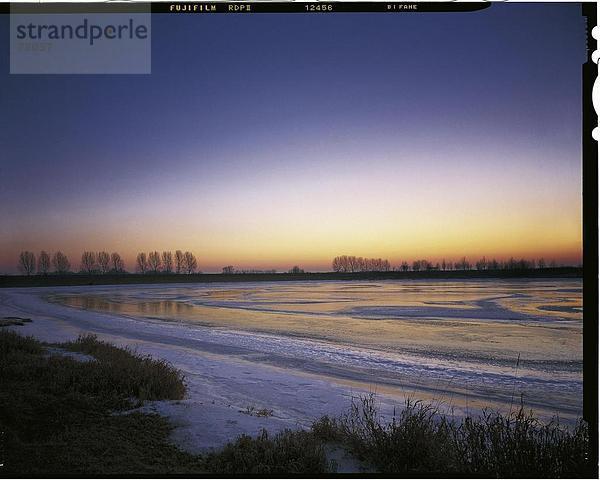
{"x":267,"y":239}
{"x":300,"y":162}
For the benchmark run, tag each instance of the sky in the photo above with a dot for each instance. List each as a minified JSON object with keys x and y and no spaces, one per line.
{"x":273,"y":140}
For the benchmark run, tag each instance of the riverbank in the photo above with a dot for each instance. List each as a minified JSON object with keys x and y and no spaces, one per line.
{"x":241,"y":380}
{"x":74,"y":408}
{"x":9,"y":281}
{"x":226,"y":385}
{"x":247,"y":346}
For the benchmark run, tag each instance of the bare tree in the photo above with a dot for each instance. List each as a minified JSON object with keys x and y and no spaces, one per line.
{"x":541,"y":263}
{"x":103,"y":261}
{"x":404,"y":266}
{"x":43,"y":265}
{"x":295,"y":269}
{"x":422,"y":265}
{"x":88,"y":262}
{"x":481,"y":264}
{"x":141,"y":262}
{"x":350,"y":264}
{"x":167,"y":262}
{"x":361,"y":264}
{"x":27,"y":262}
{"x":229,"y":269}
{"x":117,"y":262}
{"x":154,"y":262}
{"x":463,"y":264}
{"x":336,"y":265}
{"x":178,"y":261}
{"x":189,"y":262}
{"x":60,"y":262}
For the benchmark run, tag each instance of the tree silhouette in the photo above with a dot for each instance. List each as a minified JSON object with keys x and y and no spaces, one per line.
{"x":26,"y":262}
{"x":462,"y":264}
{"x":60,"y":262}
{"x":117,"y":262}
{"x":481,"y":264}
{"x":351,"y":264}
{"x":141,"y":262}
{"x":493,"y":265}
{"x":154,"y":262}
{"x":103,"y":261}
{"x":178,"y":261}
{"x":88,"y":262}
{"x":167,"y":262}
{"x":336,"y":264}
{"x":189,"y":262}
{"x":541,"y":263}
{"x":43,"y":265}
{"x":229,"y":269}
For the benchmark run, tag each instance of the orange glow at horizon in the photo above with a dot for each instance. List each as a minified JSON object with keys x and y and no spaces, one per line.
{"x":310,"y":232}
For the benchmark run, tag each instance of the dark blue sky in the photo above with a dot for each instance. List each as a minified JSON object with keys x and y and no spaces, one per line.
{"x":250,"y":103}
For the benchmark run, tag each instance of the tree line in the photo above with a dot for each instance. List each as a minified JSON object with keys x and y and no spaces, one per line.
{"x":351,"y":264}
{"x":231,"y":270}
{"x":186,"y":263}
{"x":28,"y":265}
{"x":105,"y":263}
{"x":166,"y":262}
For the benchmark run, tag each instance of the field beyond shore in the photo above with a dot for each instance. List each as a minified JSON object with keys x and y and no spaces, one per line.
{"x":75,"y":279}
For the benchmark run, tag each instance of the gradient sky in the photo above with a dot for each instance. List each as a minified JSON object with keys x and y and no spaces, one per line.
{"x":265,"y":141}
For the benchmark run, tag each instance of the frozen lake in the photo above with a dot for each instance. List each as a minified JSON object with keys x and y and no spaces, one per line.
{"x":468,"y":344}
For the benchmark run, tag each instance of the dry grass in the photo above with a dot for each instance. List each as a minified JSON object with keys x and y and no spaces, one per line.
{"x":123,"y":370}
{"x":58,"y":418}
{"x":57,"y":414}
{"x":287,"y":453}
{"x":420,"y":441}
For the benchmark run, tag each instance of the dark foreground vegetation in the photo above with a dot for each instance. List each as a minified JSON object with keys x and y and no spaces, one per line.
{"x":67,"y":416}
{"x":58,"y":417}
{"x":418,"y":441}
{"x":150,"y":278}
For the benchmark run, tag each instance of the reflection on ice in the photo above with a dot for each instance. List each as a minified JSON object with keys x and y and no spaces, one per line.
{"x":446,"y":339}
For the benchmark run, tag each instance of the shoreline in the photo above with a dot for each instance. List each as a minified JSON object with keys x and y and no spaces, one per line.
{"x":225,"y":391}
{"x":241,"y":366}
{"x":236,"y":384}
{"x":76,"y":279}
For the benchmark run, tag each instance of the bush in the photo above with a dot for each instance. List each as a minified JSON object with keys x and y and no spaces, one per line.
{"x":287,"y":453}
{"x":134,"y":375}
{"x":58,"y":417}
{"x":57,"y":413}
{"x":421,"y":441}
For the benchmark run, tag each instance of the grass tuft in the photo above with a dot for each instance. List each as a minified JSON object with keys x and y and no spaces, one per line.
{"x":287,"y":453}
{"x":57,"y":413}
{"x":135,"y":375}
{"x":421,"y":441}
{"x":58,"y":418}
{"x":11,"y":343}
